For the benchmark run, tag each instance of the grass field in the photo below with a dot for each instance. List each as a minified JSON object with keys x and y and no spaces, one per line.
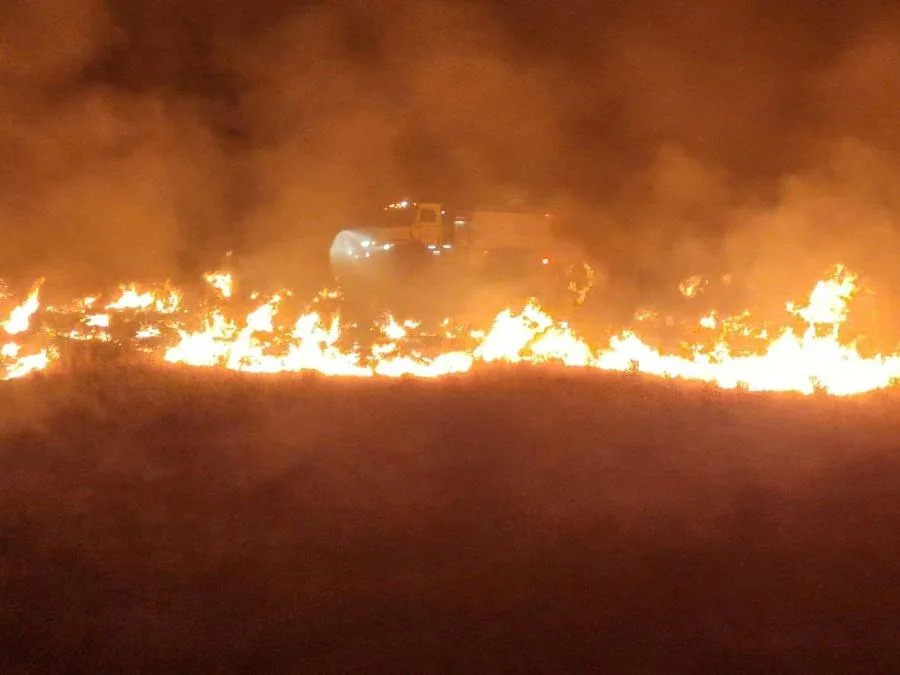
{"x":508,"y":520}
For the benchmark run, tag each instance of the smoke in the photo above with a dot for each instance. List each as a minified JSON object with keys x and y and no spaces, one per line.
{"x":147,"y":139}
{"x":98,"y":182}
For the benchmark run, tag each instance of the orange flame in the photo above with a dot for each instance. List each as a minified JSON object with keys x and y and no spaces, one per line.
{"x":262,"y":341}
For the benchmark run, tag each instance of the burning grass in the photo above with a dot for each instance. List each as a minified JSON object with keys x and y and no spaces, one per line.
{"x":266,"y":334}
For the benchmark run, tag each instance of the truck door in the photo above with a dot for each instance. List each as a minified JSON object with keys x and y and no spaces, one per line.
{"x":427,"y":224}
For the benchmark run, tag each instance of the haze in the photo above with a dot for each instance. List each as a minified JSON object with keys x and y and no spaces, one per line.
{"x":144,"y":139}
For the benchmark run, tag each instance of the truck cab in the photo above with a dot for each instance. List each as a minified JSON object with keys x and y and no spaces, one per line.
{"x":420,"y":222}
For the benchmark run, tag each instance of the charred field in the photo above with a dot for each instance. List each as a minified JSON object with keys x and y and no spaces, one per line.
{"x":510,"y":519}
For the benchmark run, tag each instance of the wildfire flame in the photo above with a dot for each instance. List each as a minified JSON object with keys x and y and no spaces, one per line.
{"x":265,"y":340}
{"x":222,"y":282}
{"x":692,"y":286}
{"x":20,"y":317}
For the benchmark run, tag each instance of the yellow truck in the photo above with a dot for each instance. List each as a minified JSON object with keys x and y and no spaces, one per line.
{"x":480,"y":245}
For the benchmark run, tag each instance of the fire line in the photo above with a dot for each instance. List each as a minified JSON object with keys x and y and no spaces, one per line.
{"x":166,"y":328}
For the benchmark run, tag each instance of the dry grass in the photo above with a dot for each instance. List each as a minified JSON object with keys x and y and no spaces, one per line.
{"x":509,"y":519}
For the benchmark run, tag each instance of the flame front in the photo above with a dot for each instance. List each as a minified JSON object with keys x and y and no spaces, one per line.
{"x":14,"y":360}
{"x":264,"y":340}
{"x":20,"y":317}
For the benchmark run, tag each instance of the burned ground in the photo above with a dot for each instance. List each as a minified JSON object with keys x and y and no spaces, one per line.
{"x":506,"y":520}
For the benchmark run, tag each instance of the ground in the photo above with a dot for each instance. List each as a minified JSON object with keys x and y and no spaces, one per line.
{"x":508,"y":520}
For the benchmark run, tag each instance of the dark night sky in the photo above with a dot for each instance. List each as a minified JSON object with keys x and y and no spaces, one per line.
{"x":135,"y":136}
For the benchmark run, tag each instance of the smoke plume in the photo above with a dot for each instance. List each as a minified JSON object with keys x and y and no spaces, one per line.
{"x":147,"y":138}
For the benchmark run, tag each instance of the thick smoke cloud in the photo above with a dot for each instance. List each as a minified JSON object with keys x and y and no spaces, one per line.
{"x":99,"y":181}
{"x":149,"y":137}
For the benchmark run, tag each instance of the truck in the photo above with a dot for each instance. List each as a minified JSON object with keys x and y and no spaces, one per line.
{"x":429,"y":242}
